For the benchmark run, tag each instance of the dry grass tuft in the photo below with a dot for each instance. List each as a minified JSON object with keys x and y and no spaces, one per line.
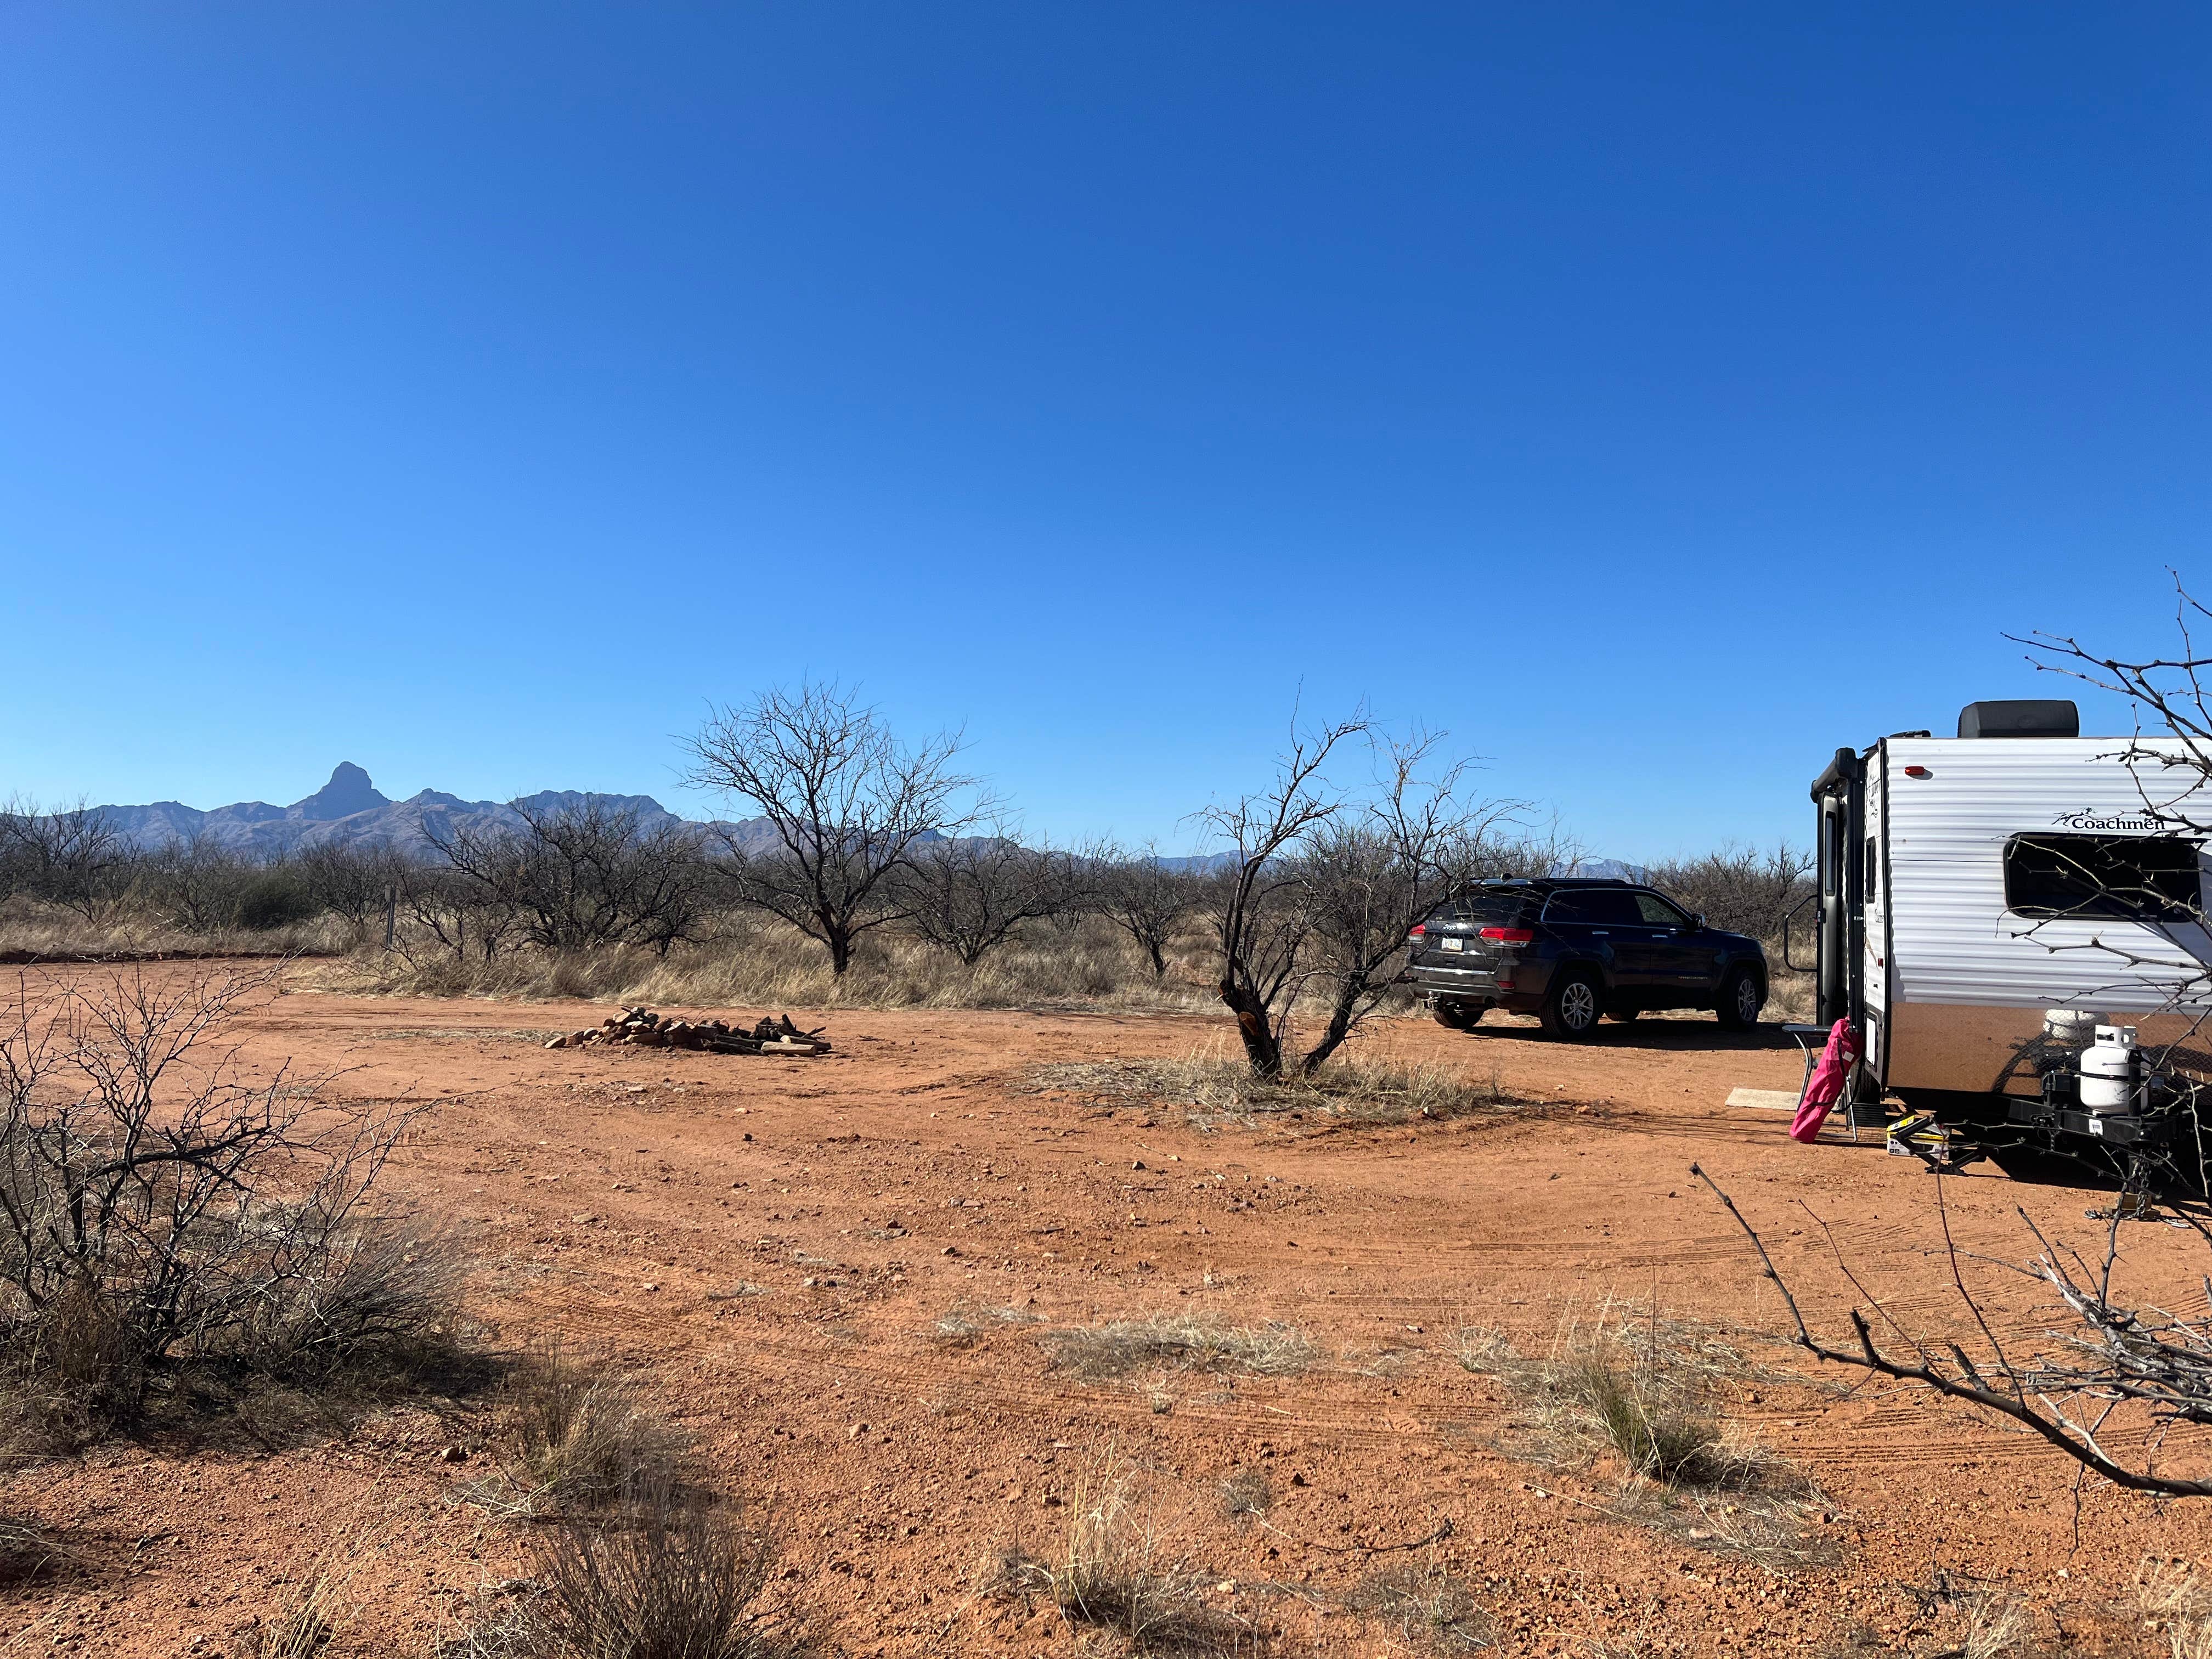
{"x":1428,"y":1608}
{"x":1115,"y":1573}
{"x":1097,"y":1353}
{"x":29,"y":1549}
{"x":33,"y":932}
{"x":2172,"y":1596}
{"x":319,"y":1605}
{"x":1645,"y":1393}
{"x":1355,"y":1088}
{"x":579,"y":1439}
{"x":676,"y":1578}
{"x":964,"y":1324}
{"x":1995,"y":1626}
{"x":754,"y":961}
{"x":665,"y":1573}
{"x":1247,"y":1493}
{"x":1664,"y":1426}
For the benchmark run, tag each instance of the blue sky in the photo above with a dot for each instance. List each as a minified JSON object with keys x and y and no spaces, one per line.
{"x":1655,"y":398}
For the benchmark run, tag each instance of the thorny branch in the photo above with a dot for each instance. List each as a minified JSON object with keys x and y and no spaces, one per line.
{"x":2117,"y":1356}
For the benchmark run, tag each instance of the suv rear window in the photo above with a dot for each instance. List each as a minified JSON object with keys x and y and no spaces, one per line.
{"x":1603,"y":907}
{"x":1492,"y":908}
{"x":2129,"y":878}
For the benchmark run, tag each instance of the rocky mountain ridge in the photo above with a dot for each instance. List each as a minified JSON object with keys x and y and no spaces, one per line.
{"x":350,"y":810}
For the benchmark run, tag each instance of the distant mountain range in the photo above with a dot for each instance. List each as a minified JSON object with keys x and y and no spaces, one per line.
{"x":349,"y":810}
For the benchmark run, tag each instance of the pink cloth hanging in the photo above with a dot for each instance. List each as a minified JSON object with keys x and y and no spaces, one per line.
{"x":1827,"y":1086}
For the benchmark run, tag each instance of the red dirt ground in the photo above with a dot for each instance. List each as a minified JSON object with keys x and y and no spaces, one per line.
{"x":622,"y":1197}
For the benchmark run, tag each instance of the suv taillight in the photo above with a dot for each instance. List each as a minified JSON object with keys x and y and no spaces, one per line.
{"x":1510,"y":935}
{"x":1420,"y":931}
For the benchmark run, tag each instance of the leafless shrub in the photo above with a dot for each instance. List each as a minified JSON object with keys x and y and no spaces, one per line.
{"x":352,"y":881}
{"x":1428,"y":1608}
{"x":71,"y":856}
{"x":1116,"y":1571}
{"x":1324,"y":883}
{"x":1100,"y":1352}
{"x":159,"y":1210}
{"x":578,"y":1439}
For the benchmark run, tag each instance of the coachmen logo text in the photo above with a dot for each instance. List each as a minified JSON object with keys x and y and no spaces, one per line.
{"x":2139,"y":822}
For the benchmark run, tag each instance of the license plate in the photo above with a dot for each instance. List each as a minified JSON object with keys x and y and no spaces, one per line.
{"x":1453,"y":944}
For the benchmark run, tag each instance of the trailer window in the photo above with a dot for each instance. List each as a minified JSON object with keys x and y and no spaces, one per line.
{"x":1873,"y":869}
{"x":2130,"y":878}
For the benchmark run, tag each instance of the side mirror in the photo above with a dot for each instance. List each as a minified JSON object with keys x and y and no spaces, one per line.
{"x":1697,"y":924}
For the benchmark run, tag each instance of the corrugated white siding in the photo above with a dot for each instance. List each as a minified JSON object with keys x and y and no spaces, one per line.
{"x":1953,"y":940}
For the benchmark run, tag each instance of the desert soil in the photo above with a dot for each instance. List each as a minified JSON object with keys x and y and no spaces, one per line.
{"x":770,"y":1245}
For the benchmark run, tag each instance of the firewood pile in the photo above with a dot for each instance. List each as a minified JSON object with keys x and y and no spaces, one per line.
{"x":640,"y":1027}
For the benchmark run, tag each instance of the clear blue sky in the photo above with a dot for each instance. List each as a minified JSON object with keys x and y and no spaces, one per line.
{"x":1654,"y":396}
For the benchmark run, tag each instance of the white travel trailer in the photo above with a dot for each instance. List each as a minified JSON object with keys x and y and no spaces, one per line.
{"x":1987,"y":901}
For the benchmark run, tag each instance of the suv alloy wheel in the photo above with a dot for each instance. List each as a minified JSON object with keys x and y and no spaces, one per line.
{"x":1573,"y":1008}
{"x":1741,"y":1000}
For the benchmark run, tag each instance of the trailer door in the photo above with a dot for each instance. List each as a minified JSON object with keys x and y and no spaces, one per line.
{"x":1873,"y":853}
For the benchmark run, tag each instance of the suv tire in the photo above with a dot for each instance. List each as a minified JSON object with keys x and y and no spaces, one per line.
{"x":1572,"y":1009}
{"x":1742,"y":998}
{"x":1455,"y":1016}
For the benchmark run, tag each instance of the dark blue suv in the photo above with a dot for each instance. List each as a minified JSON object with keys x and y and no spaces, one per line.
{"x":1572,"y":950}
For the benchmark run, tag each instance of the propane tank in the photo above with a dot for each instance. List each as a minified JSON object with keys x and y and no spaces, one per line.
{"x":2108,"y":1070}
{"x":2069,"y":1028}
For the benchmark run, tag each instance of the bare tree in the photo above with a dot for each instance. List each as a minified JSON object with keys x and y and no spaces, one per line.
{"x":447,"y":913}
{"x":191,"y":885}
{"x":1146,"y":897}
{"x":68,"y":856}
{"x":1324,"y":883}
{"x":1384,"y":864}
{"x":1262,"y":920}
{"x":967,"y":895}
{"x":583,"y":877}
{"x":1739,"y":888}
{"x":845,"y":802}
{"x":352,"y":881}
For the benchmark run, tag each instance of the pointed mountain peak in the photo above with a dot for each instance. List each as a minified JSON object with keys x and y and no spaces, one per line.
{"x":348,"y":792}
